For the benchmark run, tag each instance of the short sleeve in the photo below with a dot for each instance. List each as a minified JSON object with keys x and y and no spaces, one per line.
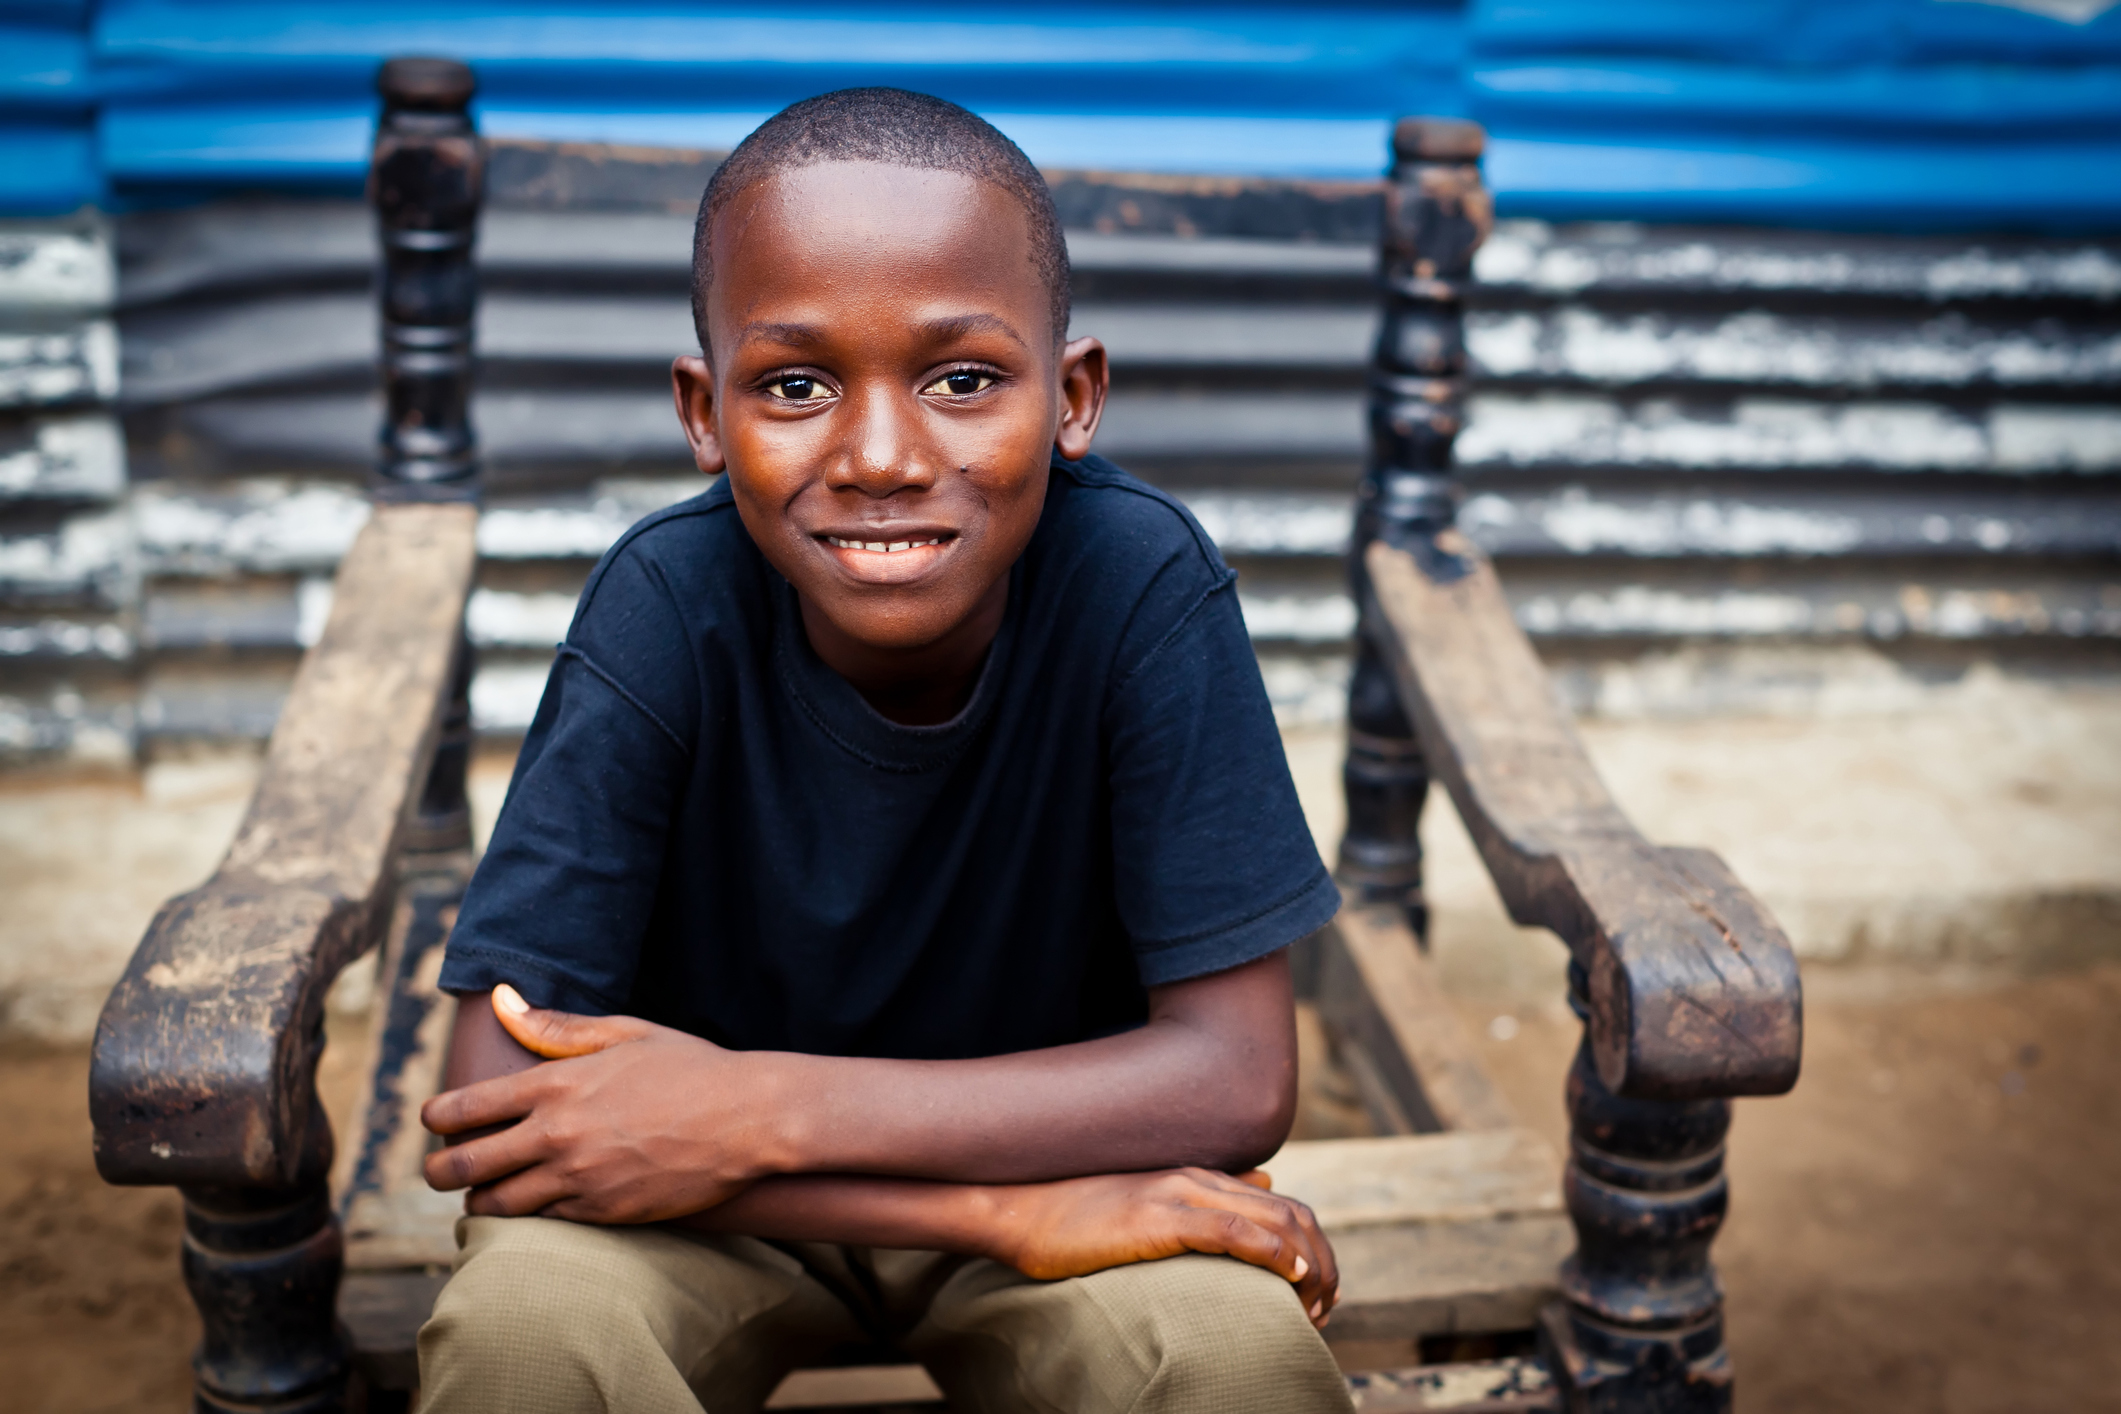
{"x":560,"y":904}
{"x":1213,"y":862}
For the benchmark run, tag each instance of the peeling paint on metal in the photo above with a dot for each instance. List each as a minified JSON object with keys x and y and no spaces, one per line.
{"x":59,"y":366}
{"x":1298,"y":618}
{"x":63,"y":267}
{"x":252,"y":525}
{"x":498,"y":619}
{"x":1535,"y":256}
{"x":1758,"y":347}
{"x":578,"y":531}
{"x":504,"y":696}
{"x":1770,"y":434}
{"x":65,"y":638}
{"x":70,"y":458}
{"x":1584,"y":525}
{"x":87,"y":554}
{"x":1273,"y":522}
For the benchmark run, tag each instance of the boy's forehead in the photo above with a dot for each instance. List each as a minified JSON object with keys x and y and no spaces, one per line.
{"x":856,"y":221}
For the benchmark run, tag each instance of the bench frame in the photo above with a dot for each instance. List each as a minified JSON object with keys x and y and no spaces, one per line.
{"x":359,"y":837}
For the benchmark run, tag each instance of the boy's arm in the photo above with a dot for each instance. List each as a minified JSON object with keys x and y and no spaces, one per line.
{"x":657,"y":1123}
{"x":1049,"y":1230}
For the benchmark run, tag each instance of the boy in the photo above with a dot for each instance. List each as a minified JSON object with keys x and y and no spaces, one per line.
{"x":898,"y":871}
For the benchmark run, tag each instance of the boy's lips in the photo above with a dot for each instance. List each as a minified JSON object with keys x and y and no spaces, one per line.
{"x":895,"y":557}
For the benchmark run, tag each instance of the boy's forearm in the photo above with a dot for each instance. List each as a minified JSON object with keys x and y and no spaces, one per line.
{"x":870,"y":1212}
{"x":1209,"y":1081}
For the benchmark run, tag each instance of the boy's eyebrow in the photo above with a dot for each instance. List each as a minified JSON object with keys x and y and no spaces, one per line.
{"x":938,"y":331}
{"x":958,"y":325}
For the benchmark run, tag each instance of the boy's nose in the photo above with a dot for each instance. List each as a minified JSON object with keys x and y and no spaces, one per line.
{"x":884,"y":451}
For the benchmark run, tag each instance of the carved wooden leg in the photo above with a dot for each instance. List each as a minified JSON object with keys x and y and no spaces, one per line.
{"x":1642,"y":1329}
{"x":1387,"y":783}
{"x":263,"y":1268}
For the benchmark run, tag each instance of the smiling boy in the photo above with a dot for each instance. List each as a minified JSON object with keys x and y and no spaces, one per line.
{"x":897,"y":873}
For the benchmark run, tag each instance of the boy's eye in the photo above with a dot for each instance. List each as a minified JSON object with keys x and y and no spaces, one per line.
{"x":960,"y":384}
{"x":798,"y":388}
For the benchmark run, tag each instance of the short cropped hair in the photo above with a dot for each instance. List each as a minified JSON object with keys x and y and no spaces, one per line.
{"x":902,"y":129}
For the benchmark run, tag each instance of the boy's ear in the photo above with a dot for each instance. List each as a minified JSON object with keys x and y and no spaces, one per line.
{"x":1085,"y":377}
{"x":692,"y":384}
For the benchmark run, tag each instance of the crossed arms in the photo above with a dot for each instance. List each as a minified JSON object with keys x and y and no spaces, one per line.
{"x":1057,"y":1162}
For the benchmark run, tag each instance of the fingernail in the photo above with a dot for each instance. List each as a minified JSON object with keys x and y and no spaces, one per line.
{"x":1301,"y":1267}
{"x":508,"y":999}
{"x":1317,"y":1309}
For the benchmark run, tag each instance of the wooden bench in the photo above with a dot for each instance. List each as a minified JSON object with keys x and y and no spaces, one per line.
{"x":1588,"y":1280}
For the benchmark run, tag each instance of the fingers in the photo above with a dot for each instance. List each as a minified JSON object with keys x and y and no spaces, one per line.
{"x":556,"y":1035}
{"x":1273,"y":1247}
{"x":1318,"y":1283}
{"x":483,"y":1161}
{"x":498,"y":1101}
{"x":1258,"y":1178}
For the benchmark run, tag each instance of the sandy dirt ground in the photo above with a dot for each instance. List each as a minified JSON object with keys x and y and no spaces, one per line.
{"x":1927,"y":1223}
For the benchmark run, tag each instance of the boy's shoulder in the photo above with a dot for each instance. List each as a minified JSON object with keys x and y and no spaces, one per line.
{"x":1106,"y":510}
{"x":686,"y":546}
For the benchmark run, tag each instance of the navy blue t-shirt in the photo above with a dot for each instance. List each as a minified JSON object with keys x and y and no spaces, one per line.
{"x":711,"y":829}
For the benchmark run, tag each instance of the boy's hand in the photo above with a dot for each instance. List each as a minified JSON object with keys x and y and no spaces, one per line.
{"x":612,"y":1134}
{"x":1083,"y":1225}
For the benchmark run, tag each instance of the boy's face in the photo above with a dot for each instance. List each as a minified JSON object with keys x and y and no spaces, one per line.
{"x":885,"y":374}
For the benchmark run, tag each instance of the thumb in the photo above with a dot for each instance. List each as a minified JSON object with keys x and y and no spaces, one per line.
{"x":556,"y":1035}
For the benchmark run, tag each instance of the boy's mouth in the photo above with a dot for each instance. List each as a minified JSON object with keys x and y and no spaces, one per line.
{"x":883,"y":547}
{"x":891,"y":559}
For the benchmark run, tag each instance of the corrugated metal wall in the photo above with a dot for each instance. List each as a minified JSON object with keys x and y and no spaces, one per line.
{"x":1684,"y":440}
{"x":1901,"y":113}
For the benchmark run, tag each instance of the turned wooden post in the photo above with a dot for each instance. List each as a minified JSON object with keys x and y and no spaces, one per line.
{"x":263,"y":1260}
{"x":1436,"y":215}
{"x":1641,"y":1330}
{"x":425,"y":180}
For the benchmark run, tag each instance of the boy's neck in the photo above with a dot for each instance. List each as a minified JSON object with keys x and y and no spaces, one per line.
{"x":922,"y":686}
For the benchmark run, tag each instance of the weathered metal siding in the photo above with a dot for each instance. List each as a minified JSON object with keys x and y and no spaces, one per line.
{"x":1895,"y":114}
{"x":1677,"y":436}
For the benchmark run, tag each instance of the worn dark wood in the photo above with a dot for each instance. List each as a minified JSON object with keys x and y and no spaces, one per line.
{"x":1509,"y":1386}
{"x":1642,"y":1325}
{"x":1436,"y":214}
{"x":1392,"y":1027}
{"x":1693,"y":988}
{"x":425,"y":180}
{"x":205,"y":1050}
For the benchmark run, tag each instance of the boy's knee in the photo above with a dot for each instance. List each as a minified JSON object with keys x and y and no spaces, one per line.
{"x":522,"y":1295}
{"x":1222,"y":1315}
{"x":1222,"y":1335}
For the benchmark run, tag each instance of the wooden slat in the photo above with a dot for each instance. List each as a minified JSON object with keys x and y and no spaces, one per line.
{"x":392,"y":1218}
{"x":205,"y":1051}
{"x":1693,"y":986}
{"x":855,"y":1385}
{"x":383,"y":1313}
{"x":1412,"y":1280}
{"x":1410,"y":1054}
{"x":1511,"y":1386}
{"x":1470,"y":1176}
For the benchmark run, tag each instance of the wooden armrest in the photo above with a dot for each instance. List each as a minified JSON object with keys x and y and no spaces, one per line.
{"x":206,"y":1052}
{"x":1693,"y":988}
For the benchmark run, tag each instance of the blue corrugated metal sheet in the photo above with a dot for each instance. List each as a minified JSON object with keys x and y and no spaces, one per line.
{"x":47,"y":108}
{"x":1889,"y":113}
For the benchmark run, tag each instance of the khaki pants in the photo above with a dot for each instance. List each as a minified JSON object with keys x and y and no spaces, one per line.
{"x":551,"y":1317}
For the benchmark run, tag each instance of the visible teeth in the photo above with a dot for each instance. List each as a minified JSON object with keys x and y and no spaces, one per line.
{"x":879,"y":546}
